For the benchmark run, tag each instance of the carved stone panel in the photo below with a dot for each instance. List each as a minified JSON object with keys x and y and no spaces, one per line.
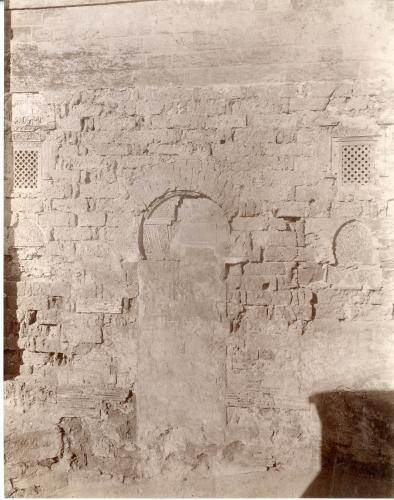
{"x":30,"y":112}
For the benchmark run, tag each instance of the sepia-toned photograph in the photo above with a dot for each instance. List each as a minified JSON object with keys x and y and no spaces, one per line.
{"x":198,"y":249}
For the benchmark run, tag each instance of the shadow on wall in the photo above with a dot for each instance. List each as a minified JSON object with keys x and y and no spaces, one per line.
{"x":12,"y":353}
{"x":12,"y":324}
{"x":357,"y":453}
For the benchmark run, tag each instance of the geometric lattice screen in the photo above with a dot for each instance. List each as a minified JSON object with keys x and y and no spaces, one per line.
{"x":356,"y":163}
{"x":26,"y":163}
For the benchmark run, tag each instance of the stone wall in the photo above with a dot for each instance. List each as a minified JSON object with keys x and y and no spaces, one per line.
{"x":199,"y":240}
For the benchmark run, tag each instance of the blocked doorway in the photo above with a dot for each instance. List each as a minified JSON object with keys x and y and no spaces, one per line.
{"x":182,"y":322}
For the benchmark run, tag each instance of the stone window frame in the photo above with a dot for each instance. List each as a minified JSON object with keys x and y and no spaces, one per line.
{"x":336,"y":160}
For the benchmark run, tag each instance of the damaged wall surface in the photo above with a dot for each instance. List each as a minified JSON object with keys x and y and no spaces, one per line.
{"x":199,"y":254}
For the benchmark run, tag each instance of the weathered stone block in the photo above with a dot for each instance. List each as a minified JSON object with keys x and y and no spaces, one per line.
{"x":259,"y":223}
{"x":308,"y":104}
{"x":43,"y":478}
{"x":281,"y":238}
{"x":321,"y":254}
{"x":265,"y":268}
{"x":86,"y":249}
{"x":308,"y":273}
{"x":99,"y":190}
{"x":32,"y":446}
{"x":292,"y":209}
{"x":81,"y":329}
{"x":70,"y":205}
{"x":61,"y":248}
{"x":254,"y":283}
{"x":268,"y":297}
{"x":224,"y":121}
{"x":31,"y":205}
{"x":277,"y":224}
{"x":280,"y":254}
{"x":57,"y":219}
{"x":285,"y":282}
{"x":99,"y":305}
{"x":322,"y":192}
{"x":73,"y":234}
{"x":355,"y":279}
{"x":91,"y":219}
{"x":34,"y":303}
{"x":58,"y":190}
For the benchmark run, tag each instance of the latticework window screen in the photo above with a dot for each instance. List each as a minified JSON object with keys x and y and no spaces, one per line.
{"x":26,"y":168}
{"x":356,"y":163}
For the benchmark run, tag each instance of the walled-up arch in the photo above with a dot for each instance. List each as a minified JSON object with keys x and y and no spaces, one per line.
{"x":182,"y":219}
{"x":184,"y":241}
{"x":356,"y":264}
{"x":353,"y":244}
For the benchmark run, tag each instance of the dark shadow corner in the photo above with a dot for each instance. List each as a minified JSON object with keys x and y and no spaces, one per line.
{"x":12,"y":353}
{"x":357,"y":451}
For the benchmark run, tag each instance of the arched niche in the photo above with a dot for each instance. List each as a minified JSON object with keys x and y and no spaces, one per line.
{"x":353,"y":245}
{"x":184,"y":240}
{"x":356,"y":264}
{"x":180,"y":221}
{"x":27,"y":234}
